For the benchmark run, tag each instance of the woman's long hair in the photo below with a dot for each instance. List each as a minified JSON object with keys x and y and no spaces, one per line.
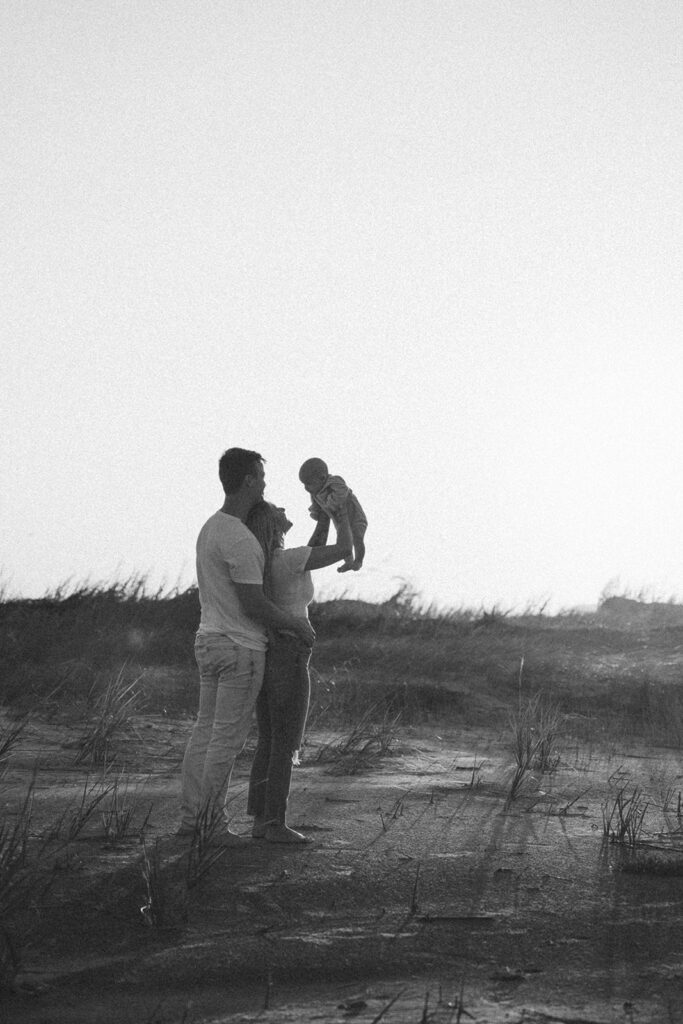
{"x":261,"y":520}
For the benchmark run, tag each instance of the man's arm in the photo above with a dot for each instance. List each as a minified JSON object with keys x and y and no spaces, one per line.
{"x":256,"y":605}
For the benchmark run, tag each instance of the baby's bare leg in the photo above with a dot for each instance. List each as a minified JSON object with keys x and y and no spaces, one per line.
{"x":358,"y":550}
{"x":358,"y":535}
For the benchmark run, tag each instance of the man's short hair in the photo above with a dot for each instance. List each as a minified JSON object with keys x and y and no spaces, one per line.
{"x":234,"y":465}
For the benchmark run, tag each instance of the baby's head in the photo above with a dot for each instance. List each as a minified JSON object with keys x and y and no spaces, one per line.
{"x":313,"y":475}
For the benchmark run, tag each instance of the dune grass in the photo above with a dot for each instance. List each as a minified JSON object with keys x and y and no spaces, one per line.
{"x":113,"y":709}
{"x":623,"y":814}
{"x":25,"y":879}
{"x":56,"y":647}
{"x":109,"y":655}
{"x":369,"y":740}
{"x":535,"y":728}
{"x":460,"y":666}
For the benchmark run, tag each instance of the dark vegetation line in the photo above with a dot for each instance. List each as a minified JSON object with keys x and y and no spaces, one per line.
{"x":460,"y":666}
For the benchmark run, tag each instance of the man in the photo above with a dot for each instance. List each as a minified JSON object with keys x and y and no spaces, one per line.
{"x":231,"y":641}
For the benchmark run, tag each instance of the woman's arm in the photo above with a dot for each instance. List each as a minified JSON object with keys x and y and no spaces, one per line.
{"x":320,"y":557}
{"x":322,"y":528}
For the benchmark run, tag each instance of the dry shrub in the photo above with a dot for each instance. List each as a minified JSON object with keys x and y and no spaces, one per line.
{"x":113,"y":713}
{"x":370,"y":740}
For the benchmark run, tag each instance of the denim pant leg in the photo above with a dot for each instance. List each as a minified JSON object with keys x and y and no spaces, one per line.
{"x":236,"y":696}
{"x":287,"y":690}
{"x":230,"y":678}
{"x":209,"y":654}
{"x":258,"y":779}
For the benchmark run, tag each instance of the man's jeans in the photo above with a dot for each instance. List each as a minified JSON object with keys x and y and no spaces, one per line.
{"x":230,"y":678}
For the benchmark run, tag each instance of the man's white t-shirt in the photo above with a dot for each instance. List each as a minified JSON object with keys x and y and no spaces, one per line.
{"x":228,"y":553}
{"x":291,"y":582}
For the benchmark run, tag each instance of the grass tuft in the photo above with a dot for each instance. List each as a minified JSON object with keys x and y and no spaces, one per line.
{"x":203,"y":854}
{"x":14,"y":838}
{"x":79,"y":813}
{"x":622,"y":817}
{"x":10,"y":734}
{"x":119,"y":813}
{"x":535,"y":727}
{"x":154,"y":910}
{"x":22,"y":883}
{"x":370,"y":740}
{"x":112,"y":716}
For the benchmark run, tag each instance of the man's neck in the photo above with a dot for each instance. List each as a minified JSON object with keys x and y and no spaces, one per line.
{"x":237,"y":505}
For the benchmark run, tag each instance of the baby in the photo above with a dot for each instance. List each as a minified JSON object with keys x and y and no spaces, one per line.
{"x":331,"y":494}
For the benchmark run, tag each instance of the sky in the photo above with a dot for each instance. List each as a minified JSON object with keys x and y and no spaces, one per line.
{"x":437,"y":244}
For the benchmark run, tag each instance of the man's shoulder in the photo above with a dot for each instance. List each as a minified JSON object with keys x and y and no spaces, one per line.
{"x":228,"y":529}
{"x":226,"y":524}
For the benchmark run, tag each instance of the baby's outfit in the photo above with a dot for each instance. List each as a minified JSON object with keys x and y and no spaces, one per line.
{"x":335,"y":495}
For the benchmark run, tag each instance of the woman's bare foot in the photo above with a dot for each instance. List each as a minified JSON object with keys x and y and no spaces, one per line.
{"x":284,"y":834}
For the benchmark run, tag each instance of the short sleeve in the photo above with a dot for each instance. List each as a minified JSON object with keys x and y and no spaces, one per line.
{"x":337,"y":488}
{"x":333,"y":496}
{"x":295,"y":559}
{"x":245,"y":561}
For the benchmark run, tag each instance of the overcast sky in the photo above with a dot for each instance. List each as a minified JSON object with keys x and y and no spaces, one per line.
{"x":437,"y":244}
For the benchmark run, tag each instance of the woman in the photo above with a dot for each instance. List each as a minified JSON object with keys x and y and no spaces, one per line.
{"x":282,"y":704}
